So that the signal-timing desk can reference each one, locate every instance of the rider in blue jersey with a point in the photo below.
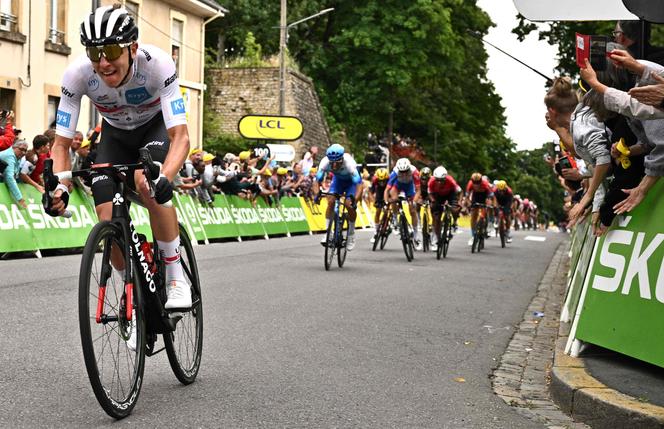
(346, 180)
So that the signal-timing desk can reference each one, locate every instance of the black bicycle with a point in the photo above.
(337, 232)
(383, 229)
(446, 233)
(121, 312)
(480, 228)
(405, 229)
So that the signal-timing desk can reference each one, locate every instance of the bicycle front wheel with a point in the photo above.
(330, 245)
(113, 345)
(184, 346)
(342, 241)
(406, 239)
(502, 233)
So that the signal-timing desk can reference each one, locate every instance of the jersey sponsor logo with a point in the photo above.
(137, 95)
(66, 92)
(155, 143)
(177, 106)
(63, 118)
(96, 179)
(140, 78)
(93, 84)
(147, 55)
(171, 79)
(102, 98)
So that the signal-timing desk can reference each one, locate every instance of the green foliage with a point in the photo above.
(412, 60)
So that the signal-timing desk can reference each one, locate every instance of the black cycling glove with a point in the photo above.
(47, 202)
(163, 190)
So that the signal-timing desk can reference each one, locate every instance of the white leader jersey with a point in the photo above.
(152, 88)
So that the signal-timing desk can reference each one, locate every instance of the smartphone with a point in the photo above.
(598, 52)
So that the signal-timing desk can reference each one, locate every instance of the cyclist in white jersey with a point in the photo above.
(346, 180)
(136, 92)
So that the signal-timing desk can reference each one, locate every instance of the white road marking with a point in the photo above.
(534, 238)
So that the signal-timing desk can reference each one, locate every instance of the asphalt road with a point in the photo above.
(379, 343)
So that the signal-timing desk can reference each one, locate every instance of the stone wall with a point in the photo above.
(235, 92)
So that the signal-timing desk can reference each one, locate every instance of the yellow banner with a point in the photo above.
(270, 127)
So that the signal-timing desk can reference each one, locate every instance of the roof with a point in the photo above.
(213, 4)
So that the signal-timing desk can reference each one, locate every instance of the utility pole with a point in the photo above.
(282, 59)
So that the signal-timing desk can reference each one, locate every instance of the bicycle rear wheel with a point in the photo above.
(426, 235)
(342, 241)
(406, 239)
(114, 369)
(502, 232)
(381, 230)
(184, 346)
(445, 237)
(330, 245)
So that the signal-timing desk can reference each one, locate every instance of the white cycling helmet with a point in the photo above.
(403, 164)
(440, 173)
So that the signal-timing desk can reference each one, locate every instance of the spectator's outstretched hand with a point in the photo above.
(621, 58)
(588, 74)
(576, 214)
(572, 174)
(650, 94)
(636, 195)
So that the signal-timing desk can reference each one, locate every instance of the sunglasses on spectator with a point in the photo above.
(110, 52)
(616, 33)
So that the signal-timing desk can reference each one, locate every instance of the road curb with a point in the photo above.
(588, 400)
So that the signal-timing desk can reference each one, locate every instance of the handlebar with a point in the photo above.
(151, 169)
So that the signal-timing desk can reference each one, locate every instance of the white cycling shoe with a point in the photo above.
(433, 246)
(418, 245)
(179, 295)
(350, 244)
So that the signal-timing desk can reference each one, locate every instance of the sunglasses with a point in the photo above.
(110, 52)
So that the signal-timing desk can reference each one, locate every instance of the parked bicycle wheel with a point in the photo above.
(114, 368)
(342, 240)
(406, 238)
(184, 346)
(330, 245)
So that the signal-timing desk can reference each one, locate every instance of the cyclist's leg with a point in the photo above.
(436, 212)
(163, 220)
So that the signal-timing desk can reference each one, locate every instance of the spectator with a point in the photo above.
(11, 161)
(41, 146)
(75, 144)
(27, 164)
(653, 129)
(630, 34)
(268, 190)
(309, 159)
(195, 155)
(82, 162)
(7, 135)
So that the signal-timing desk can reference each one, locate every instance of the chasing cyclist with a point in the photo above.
(405, 178)
(442, 188)
(504, 197)
(137, 93)
(378, 190)
(478, 191)
(346, 180)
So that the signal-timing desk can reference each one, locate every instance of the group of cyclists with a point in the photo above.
(421, 187)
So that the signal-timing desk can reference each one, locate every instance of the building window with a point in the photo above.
(56, 22)
(132, 8)
(177, 45)
(53, 103)
(8, 19)
(7, 99)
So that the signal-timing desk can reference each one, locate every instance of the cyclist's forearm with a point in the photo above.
(60, 155)
(177, 151)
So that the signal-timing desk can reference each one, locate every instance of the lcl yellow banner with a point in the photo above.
(270, 127)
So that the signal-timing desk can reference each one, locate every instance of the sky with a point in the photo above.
(522, 90)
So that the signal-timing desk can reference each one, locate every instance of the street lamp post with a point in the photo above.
(283, 40)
